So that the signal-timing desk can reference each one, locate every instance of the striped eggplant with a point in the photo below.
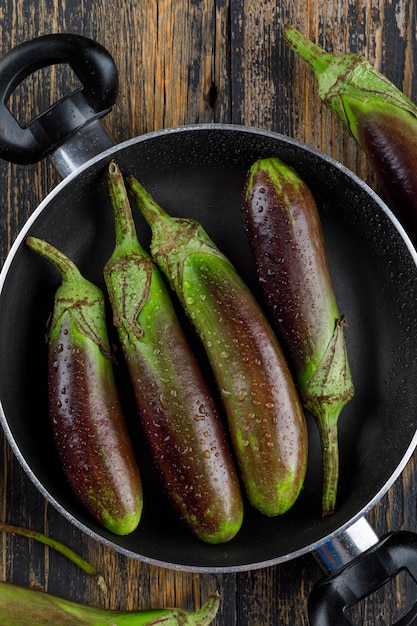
(381, 119)
(180, 419)
(85, 410)
(265, 418)
(285, 236)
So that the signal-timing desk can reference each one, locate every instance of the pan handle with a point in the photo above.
(97, 73)
(393, 553)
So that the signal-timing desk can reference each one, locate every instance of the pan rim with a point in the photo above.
(106, 155)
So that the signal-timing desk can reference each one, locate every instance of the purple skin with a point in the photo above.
(185, 434)
(265, 419)
(179, 417)
(377, 114)
(292, 267)
(89, 430)
(285, 236)
(388, 136)
(85, 410)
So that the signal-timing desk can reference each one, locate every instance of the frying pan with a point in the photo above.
(199, 171)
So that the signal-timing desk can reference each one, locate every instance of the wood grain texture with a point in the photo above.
(186, 62)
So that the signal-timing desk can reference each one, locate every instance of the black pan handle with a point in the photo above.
(97, 73)
(330, 597)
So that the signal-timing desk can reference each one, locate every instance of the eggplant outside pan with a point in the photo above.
(199, 171)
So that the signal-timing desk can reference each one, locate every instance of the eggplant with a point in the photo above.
(178, 414)
(266, 422)
(85, 410)
(381, 119)
(22, 606)
(284, 232)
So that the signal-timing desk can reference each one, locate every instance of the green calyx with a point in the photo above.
(325, 394)
(135, 286)
(128, 281)
(173, 238)
(186, 237)
(330, 387)
(77, 297)
(129, 273)
(347, 75)
(139, 300)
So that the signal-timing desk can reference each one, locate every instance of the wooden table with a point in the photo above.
(192, 62)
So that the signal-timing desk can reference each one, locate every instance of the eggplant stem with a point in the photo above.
(124, 223)
(330, 454)
(58, 547)
(68, 270)
(150, 209)
(315, 56)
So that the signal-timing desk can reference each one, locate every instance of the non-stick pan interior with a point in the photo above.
(200, 172)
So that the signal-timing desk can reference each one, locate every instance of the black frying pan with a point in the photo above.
(199, 171)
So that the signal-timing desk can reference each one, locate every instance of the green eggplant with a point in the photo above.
(264, 414)
(381, 119)
(283, 226)
(85, 409)
(180, 419)
(20, 606)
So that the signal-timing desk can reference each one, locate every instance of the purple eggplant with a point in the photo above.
(180, 419)
(265, 418)
(381, 119)
(286, 241)
(85, 409)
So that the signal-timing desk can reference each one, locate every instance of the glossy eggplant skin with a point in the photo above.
(381, 119)
(286, 242)
(180, 419)
(86, 415)
(265, 419)
(285, 236)
(388, 136)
